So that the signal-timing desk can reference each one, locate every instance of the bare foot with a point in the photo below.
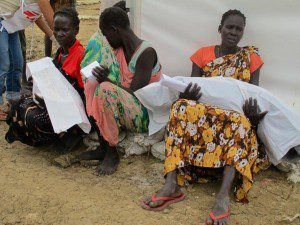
(98, 154)
(110, 162)
(168, 190)
(221, 206)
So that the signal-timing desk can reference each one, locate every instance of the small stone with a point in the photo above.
(158, 150)
(167, 211)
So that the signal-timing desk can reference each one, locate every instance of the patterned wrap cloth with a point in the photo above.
(108, 103)
(201, 137)
(234, 65)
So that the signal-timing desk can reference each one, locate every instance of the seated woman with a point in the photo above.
(110, 100)
(55, 4)
(30, 122)
(228, 59)
(202, 139)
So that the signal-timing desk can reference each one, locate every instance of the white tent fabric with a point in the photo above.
(104, 4)
(63, 102)
(279, 130)
(178, 28)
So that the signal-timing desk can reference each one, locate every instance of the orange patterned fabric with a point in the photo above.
(239, 65)
(201, 136)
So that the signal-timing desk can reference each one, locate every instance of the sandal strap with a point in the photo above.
(162, 198)
(224, 215)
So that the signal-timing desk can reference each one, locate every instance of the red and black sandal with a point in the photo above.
(166, 202)
(222, 216)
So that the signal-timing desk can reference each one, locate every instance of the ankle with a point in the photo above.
(222, 195)
(112, 153)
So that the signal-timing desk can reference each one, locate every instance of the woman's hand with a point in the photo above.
(252, 112)
(101, 73)
(192, 92)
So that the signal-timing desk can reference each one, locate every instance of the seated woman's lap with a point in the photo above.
(203, 136)
(114, 109)
(37, 119)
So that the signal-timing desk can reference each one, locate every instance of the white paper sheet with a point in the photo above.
(63, 102)
(279, 130)
(87, 71)
(173, 84)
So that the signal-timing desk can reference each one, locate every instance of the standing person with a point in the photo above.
(16, 15)
(56, 4)
(110, 100)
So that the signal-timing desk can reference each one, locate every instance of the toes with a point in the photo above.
(144, 206)
(221, 222)
(155, 203)
(147, 200)
(97, 171)
(102, 171)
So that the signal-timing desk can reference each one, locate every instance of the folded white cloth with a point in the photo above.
(279, 130)
(64, 105)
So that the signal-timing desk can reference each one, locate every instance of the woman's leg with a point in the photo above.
(174, 154)
(201, 136)
(222, 202)
(110, 162)
(114, 108)
(170, 189)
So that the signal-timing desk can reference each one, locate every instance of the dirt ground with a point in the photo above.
(35, 191)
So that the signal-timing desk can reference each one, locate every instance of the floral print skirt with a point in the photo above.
(201, 138)
(114, 108)
(108, 103)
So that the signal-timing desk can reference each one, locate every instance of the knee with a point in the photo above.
(237, 118)
(105, 87)
(181, 102)
(180, 105)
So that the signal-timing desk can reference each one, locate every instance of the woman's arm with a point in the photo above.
(254, 78)
(197, 71)
(44, 27)
(252, 112)
(192, 92)
(143, 69)
(47, 11)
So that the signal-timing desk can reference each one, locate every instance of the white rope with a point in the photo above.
(31, 40)
(23, 4)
